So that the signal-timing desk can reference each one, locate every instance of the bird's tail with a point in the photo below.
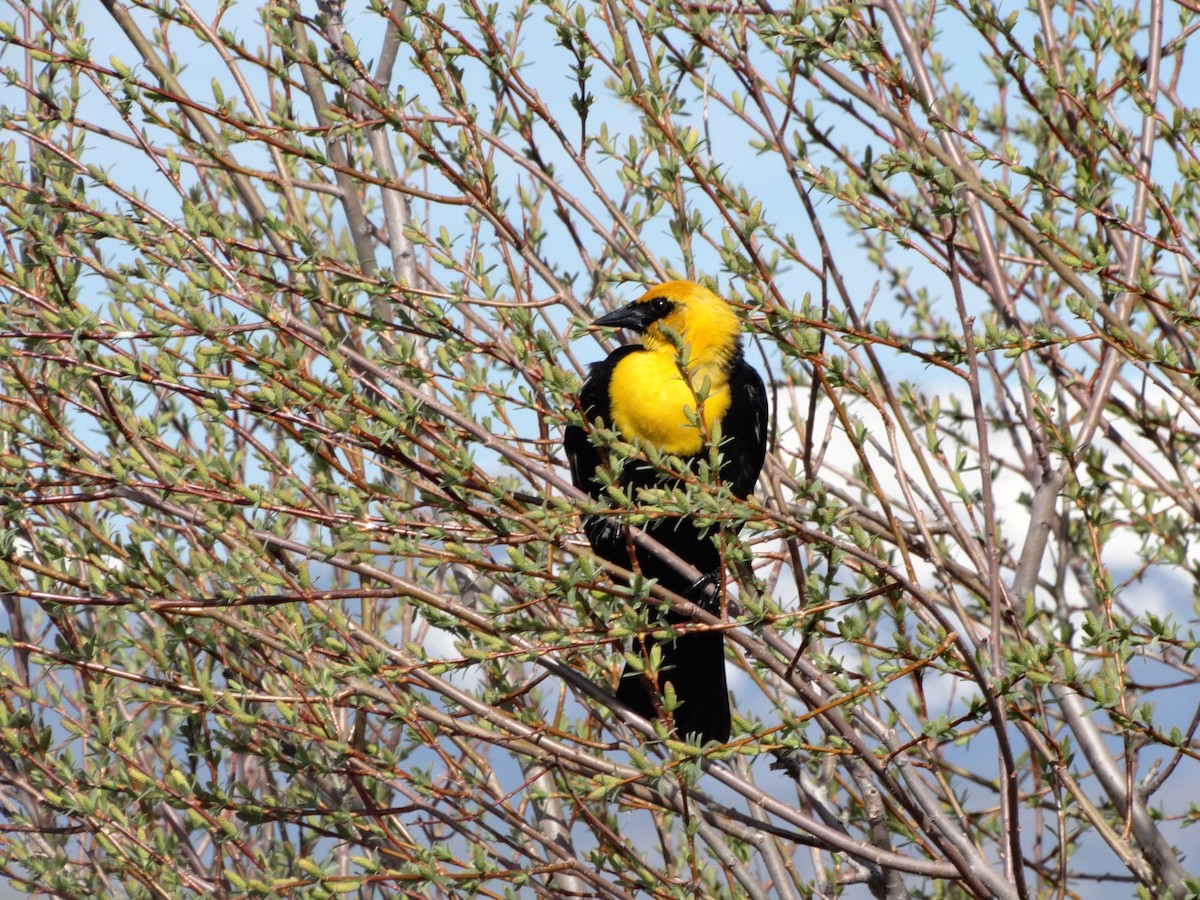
(694, 664)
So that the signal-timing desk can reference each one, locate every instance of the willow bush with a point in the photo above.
(295, 598)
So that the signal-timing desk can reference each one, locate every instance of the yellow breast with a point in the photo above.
(652, 402)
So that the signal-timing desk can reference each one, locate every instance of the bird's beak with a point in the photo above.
(633, 315)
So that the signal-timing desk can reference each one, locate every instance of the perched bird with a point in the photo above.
(649, 393)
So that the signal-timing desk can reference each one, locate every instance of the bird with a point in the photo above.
(670, 392)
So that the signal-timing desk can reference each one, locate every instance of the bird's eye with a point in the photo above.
(660, 305)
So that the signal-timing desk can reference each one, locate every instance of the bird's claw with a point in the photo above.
(703, 592)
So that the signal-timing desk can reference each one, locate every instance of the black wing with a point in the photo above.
(744, 431)
(584, 458)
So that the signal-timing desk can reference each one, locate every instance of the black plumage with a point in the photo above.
(693, 663)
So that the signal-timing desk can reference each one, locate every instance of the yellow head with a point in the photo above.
(705, 322)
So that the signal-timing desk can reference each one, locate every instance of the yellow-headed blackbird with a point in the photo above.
(649, 393)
